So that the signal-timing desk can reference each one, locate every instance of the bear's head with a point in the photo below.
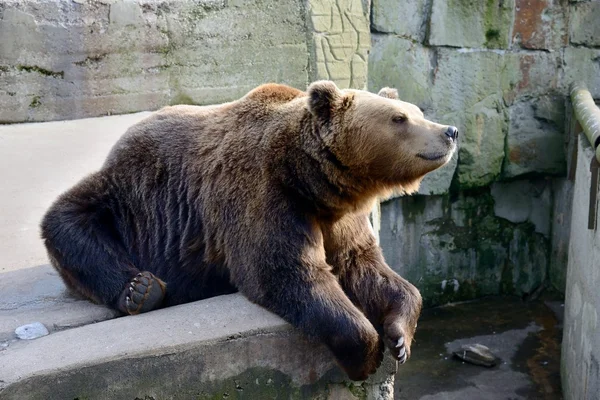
(378, 137)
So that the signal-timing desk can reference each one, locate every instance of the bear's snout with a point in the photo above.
(452, 132)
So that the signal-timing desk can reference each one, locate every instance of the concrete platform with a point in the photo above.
(223, 346)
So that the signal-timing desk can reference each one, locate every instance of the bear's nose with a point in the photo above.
(452, 132)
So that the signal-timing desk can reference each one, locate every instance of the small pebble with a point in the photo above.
(31, 331)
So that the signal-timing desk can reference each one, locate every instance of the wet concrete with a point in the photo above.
(524, 335)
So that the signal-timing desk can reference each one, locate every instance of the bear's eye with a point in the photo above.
(399, 119)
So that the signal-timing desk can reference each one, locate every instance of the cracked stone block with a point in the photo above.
(467, 23)
(535, 141)
(407, 18)
(341, 40)
(585, 24)
(540, 24)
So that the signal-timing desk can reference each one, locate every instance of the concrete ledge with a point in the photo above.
(39, 295)
(216, 348)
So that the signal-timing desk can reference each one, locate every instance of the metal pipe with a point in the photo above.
(587, 113)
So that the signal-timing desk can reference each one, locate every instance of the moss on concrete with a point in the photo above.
(41, 71)
(35, 102)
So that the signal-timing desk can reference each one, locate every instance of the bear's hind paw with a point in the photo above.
(145, 292)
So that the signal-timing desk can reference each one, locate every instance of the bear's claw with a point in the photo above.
(396, 339)
(145, 292)
(402, 350)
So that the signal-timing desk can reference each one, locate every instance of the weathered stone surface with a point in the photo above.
(466, 23)
(540, 24)
(522, 201)
(62, 60)
(584, 24)
(536, 141)
(482, 143)
(582, 64)
(404, 18)
(455, 90)
(404, 65)
(458, 250)
(529, 74)
(341, 39)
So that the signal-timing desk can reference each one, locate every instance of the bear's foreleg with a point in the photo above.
(390, 302)
(288, 275)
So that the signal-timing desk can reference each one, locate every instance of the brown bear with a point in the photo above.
(268, 195)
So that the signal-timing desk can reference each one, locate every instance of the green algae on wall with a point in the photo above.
(456, 249)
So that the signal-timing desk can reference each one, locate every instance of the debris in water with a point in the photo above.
(31, 331)
(477, 354)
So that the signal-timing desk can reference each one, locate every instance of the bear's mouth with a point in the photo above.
(432, 156)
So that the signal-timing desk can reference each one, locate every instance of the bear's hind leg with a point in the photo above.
(81, 235)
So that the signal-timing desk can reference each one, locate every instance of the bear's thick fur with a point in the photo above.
(268, 195)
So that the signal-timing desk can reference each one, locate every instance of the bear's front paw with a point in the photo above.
(360, 354)
(397, 339)
(363, 362)
(145, 292)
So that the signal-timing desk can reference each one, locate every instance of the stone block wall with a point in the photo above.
(82, 58)
(580, 357)
(499, 70)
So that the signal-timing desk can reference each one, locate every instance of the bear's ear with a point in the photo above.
(323, 98)
(389, 93)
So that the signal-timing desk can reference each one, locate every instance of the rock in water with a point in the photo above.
(31, 331)
(477, 354)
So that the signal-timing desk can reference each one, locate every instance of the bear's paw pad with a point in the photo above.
(145, 292)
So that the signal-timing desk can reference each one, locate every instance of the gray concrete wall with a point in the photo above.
(84, 58)
(580, 364)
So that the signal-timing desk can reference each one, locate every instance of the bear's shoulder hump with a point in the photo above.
(273, 93)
